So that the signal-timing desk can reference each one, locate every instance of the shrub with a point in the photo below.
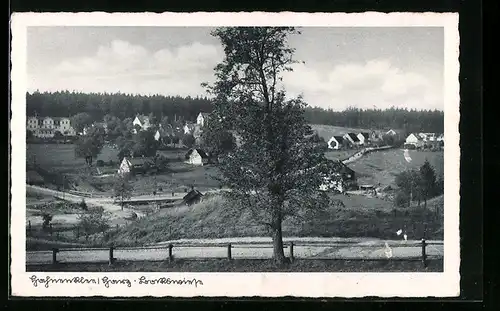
(99, 163)
(83, 205)
(401, 200)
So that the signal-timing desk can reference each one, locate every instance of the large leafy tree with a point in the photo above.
(90, 145)
(80, 121)
(145, 144)
(278, 168)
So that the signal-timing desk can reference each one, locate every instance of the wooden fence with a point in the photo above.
(169, 251)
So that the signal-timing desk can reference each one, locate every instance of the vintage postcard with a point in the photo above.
(235, 155)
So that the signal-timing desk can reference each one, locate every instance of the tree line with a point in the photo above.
(122, 106)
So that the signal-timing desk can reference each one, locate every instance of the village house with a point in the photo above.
(189, 128)
(201, 119)
(375, 136)
(342, 178)
(428, 137)
(364, 138)
(336, 142)
(415, 140)
(391, 132)
(135, 165)
(192, 197)
(48, 126)
(351, 138)
(141, 121)
(157, 135)
(196, 156)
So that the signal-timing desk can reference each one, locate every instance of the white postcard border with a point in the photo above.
(444, 284)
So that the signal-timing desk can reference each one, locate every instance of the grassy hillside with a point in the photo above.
(383, 166)
(215, 218)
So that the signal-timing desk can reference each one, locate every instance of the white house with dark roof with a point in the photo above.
(201, 119)
(142, 121)
(196, 156)
(415, 140)
(364, 138)
(352, 138)
(336, 142)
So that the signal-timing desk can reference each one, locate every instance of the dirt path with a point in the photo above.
(250, 247)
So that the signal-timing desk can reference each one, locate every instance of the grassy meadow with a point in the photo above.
(383, 166)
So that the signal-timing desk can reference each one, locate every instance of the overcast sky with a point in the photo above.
(358, 67)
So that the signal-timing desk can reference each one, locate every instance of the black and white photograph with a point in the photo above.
(235, 157)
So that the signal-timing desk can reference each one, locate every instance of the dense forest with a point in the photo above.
(65, 104)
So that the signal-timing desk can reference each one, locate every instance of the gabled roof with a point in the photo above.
(201, 152)
(142, 118)
(191, 195)
(339, 139)
(139, 161)
(365, 135)
(417, 136)
(353, 136)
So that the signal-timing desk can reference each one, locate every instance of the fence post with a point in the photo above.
(50, 229)
(424, 256)
(229, 251)
(54, 255)
(170, 255)
(291, 251)
(29, 227)
(111, 258)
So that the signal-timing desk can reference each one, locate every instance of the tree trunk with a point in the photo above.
(425, 202)
(278, 251)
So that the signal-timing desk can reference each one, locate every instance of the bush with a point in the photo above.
(401, 199)
(83, 205)
(99, 163)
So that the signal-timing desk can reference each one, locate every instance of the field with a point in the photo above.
(61, 157)
(327, 131)
(383, 166)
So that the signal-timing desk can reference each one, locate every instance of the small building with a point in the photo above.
(336, 142)
(201, 119)
(364, 138)
(157, 135)
(135, 165)
(391, 132)
(192, 197)
(196, 156)
(141, 121)
(415, 140)
(428, 137)
(189, 128)
(342, 178)
(375, 136)
(351, 138)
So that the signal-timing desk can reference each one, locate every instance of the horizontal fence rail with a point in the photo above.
(229, 251)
